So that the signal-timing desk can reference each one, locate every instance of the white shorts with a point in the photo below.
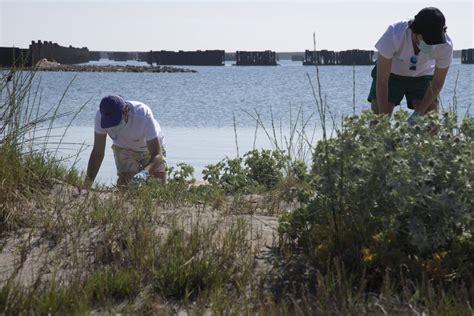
(130, 161)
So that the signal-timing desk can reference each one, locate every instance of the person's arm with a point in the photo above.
(96, 157)
(433, 90)
(384, 66)
(156, 164)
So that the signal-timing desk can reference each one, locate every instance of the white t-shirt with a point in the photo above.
(396, 44)
(140, 128)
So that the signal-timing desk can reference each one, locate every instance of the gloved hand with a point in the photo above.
(141, 176)
(412, 118)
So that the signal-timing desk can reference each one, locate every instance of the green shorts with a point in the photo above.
(412, 88)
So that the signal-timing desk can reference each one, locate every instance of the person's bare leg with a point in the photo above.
(433, 107)
(160, 175)
(124, 178)
(375, 109)
(158, 170)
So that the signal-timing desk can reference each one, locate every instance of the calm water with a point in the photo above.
(196, 109)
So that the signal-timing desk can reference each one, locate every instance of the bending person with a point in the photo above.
(138, 142)
(413, 61)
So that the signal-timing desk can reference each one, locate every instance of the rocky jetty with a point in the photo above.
(46, 65)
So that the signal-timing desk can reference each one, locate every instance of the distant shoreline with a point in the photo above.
(52, 66)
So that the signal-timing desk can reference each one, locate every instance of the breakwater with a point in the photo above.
(14, 57)
(120, 56)
(115, 55)
(467, 56)
(96, 56)
(199, 58)
(11, 56)
(255, 58)
(52, 51)
(347, 57)
(40, 50)
(45, 65)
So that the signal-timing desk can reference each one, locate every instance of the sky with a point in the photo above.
(229, 25)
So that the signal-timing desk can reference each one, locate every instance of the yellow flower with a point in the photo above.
(367, 255)
(378, 237)
(438, 256)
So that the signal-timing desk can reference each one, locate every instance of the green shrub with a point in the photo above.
(230, 175)
(390, 198)
(183, 174)
(261, 170)
(265, 166)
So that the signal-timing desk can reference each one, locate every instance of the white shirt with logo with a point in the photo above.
(140, 128)
(396, 44)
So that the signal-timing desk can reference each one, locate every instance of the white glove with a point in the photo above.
(141, 176)
(412, 118)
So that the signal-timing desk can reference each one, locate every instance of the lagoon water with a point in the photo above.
(197, 110)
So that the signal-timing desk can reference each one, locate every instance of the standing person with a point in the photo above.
(138, 142)
(413, 61)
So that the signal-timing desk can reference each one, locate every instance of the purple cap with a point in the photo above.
(111, 108)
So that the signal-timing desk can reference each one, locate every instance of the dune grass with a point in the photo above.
(339, 246)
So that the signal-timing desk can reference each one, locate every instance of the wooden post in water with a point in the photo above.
(346, 58)
(467, 56)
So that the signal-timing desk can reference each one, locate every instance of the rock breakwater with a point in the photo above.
(45, 65)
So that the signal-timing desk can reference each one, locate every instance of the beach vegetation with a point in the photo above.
(369, 219)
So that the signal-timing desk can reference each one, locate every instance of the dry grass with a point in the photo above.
(171, 249)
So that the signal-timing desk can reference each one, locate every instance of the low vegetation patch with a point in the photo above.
(388, 202)
(380, 221)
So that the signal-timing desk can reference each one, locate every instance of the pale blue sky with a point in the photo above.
(230, 25)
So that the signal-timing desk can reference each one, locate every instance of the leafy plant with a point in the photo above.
(265, 166)
(392, 197)
(183, 174)
(230, 175)
(259, 170)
